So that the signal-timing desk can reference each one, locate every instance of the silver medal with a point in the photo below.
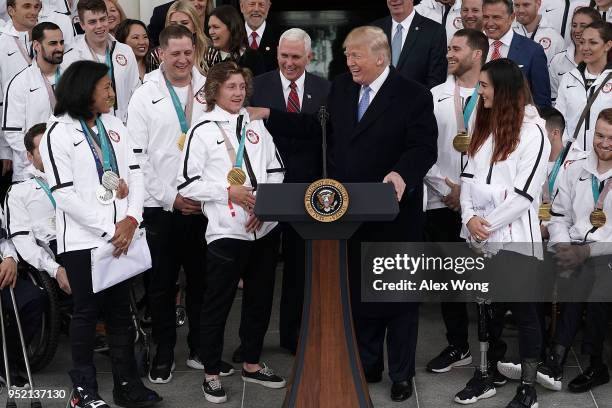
(110, 180)
(105, 196)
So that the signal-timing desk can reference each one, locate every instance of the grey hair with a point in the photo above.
(297, 34)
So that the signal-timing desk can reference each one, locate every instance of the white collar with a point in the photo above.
(219, 114)
(299, 82)
(34, 172)
(378, 82)
(591, 166)
(405, 23)
(260, 30)
(9, 29)
(506, 38)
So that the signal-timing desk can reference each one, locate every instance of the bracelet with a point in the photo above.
(133, 220)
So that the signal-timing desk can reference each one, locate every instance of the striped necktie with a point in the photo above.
(293, 101)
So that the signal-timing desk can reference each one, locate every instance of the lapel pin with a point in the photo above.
(267, 48)
(308, 96)
(416, 28)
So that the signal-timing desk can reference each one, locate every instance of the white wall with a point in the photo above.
(140, 9)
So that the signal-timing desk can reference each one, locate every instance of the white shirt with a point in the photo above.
(124, 66)
(299, 87)
(545, 35)
(259, 31)
(202, 175)
(520, 176)
(571, 100)
(31, 221)
(560, 64)
(555, 10)
(406, 23)
(434, 10)
(573, 205)
(375, 85)
(505, 48)
(154, 130)
(26, 103)
(450, 161)
(82, 221)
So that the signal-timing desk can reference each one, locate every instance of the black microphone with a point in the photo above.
(323, 115)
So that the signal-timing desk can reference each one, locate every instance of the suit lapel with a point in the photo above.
(307, 98)
(277, 91)
(515, 47)
(380, 103)
(411, 38)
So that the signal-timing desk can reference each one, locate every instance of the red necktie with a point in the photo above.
(293, 102)
(496, 50)
(254, 44)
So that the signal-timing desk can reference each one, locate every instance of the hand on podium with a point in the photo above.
(398, 183)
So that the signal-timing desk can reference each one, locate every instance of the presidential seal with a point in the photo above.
(326, 200)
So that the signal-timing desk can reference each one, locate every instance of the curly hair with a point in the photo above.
(218, 74)
(505, 118)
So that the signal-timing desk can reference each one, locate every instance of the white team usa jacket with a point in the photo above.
(434, 10)
(558, 12)
(560, 64)
(571, 100)
(521, 175)
(574, 203)
(154, 131)
(205, 164)
(26, 103)
(83, 222)
(449, 161)
(125, 71)
(545, 35)
(30, 219)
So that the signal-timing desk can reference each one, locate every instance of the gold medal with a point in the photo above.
(181, 141)
(598, 218)
(461, 142)
(544, 211)
(236, 177)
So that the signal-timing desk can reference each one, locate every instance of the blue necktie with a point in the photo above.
(364, 102)
(396, 45)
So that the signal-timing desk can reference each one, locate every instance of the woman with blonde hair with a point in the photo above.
(184, 13)
(116, 15)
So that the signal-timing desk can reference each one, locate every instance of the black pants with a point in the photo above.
(175, 240)
(228, 260)
(595, 326)
(292, 294)
(444, 225)
(31, 303)
(114, 302)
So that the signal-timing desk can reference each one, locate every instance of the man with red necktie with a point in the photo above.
(261, 35)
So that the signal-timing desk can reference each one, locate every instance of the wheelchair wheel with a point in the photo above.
(43, 346)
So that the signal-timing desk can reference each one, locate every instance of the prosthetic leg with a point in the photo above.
(484, 317)
(10, 403)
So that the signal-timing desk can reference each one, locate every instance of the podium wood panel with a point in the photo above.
(327, 369)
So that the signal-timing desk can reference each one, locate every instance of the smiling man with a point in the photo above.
(532, 24)
(471, 14)
(293, 89)
(504, 43)
(261, 35)
(98, 45)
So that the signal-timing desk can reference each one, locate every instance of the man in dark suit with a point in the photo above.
(292, 89)
(381, 128)
(261, 35)
(418, 44)
(498, 16)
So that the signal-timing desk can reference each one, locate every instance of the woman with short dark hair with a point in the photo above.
(225, 179)
(98, 189)
(228, 35)
(507, 163)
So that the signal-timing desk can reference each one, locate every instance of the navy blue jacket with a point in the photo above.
(530, 57)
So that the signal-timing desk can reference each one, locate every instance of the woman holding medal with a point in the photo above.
(507, 167)
(225, 157)
(98, 189)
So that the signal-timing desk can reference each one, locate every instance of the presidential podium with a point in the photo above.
(327, 370)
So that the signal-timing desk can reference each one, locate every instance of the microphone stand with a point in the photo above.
(323, 115)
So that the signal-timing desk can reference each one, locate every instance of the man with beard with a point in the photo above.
(531, 24)
(261, 35)
(29, 97)
(454, 102)
(471, 14)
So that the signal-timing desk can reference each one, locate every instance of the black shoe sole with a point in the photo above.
(140, 404)
(586, 388)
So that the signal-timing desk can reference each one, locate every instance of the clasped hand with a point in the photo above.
(124, 232)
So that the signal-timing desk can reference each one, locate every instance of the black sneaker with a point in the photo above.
(497, 378)
(134, 395)
(591, 377)
(549, 374)
(450, 357)
(265, 377)
(213, 391)
(476, 389)
(161, 373)
(193, 361)
(85, 398)
(525, 397)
